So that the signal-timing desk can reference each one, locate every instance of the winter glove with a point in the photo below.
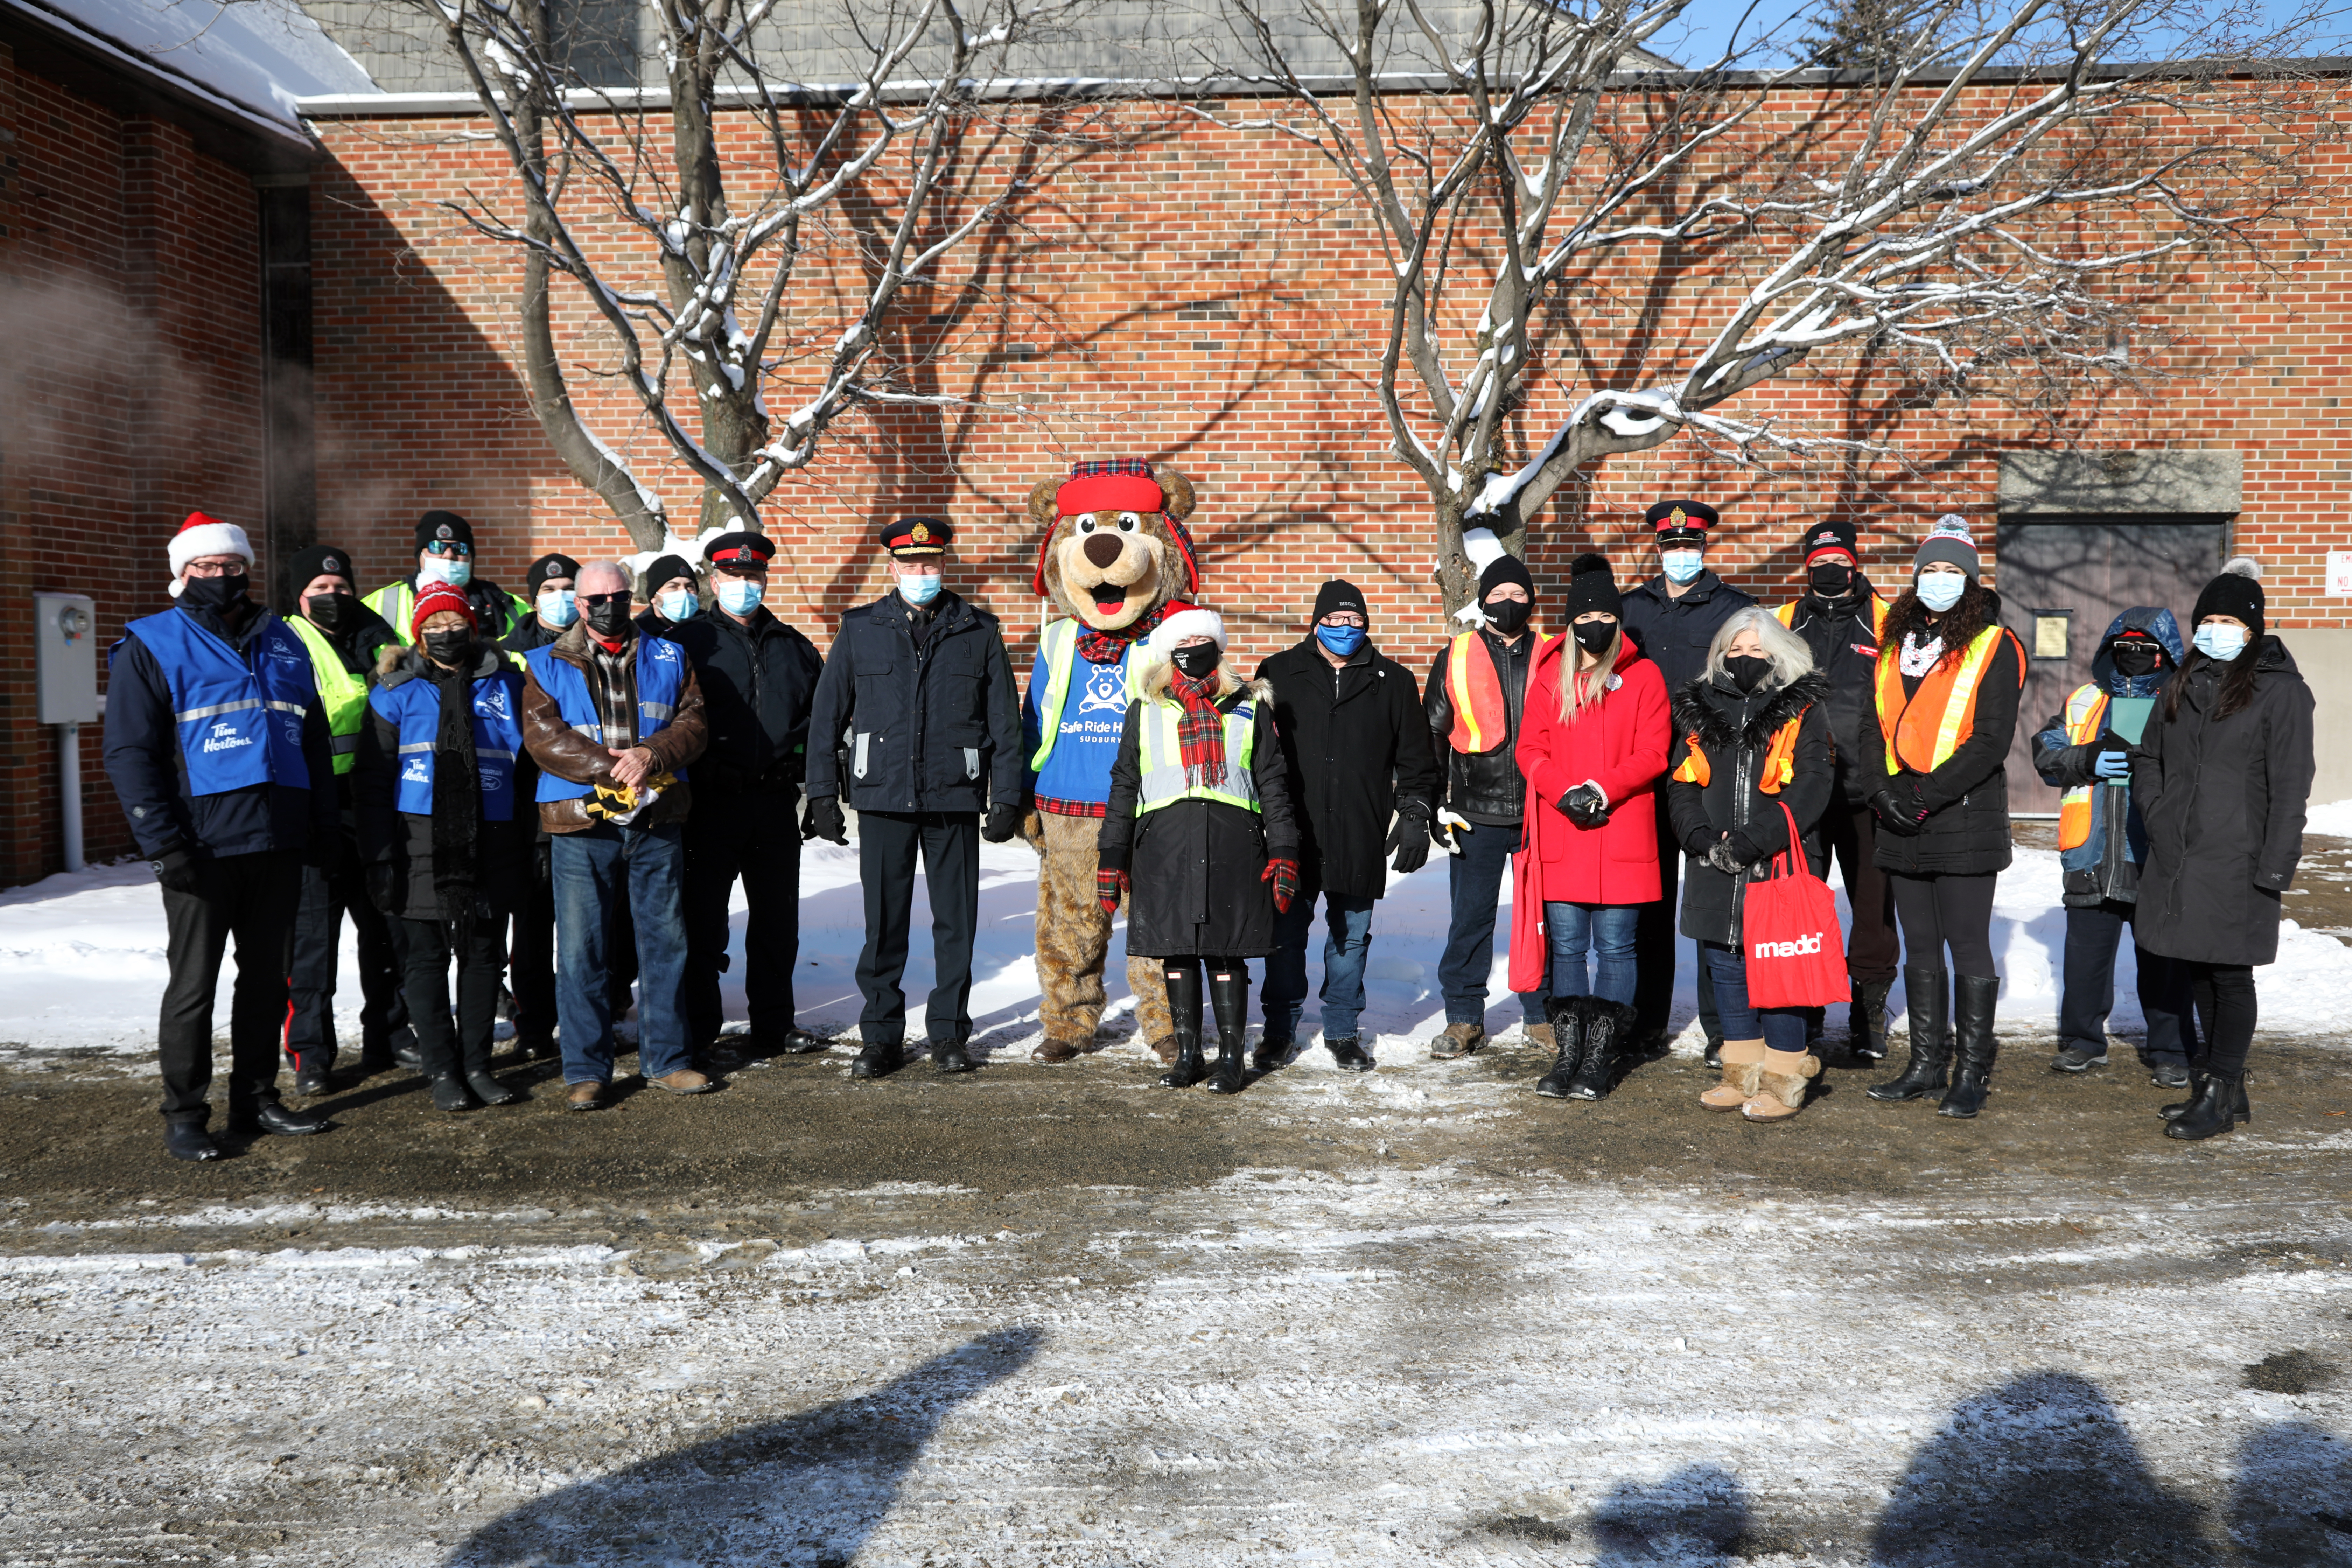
(1110, 888)
(822, 819)
(1731, 854)
(1409, 843)
(384, 888)
(1585, 805)
(2112, 767)
(177, 867)
(1284, 875)
(1003, 822)
(1442, 830)
(1900, 811)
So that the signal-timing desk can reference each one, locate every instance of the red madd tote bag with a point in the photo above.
(1789, 934)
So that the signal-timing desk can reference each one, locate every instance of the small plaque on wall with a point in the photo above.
(2053, 630)
(2340, 574)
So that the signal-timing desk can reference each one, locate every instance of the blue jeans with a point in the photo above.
(1474, 881)
(1606, 929)
(1781, 1028)
(588, 869)
(1347, 945)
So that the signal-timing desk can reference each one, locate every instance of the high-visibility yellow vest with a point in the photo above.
(342, 694)
(2086, 713)
(1162, 759)
(1924, 729)
(396, 603)
(1787, 615)
(1059, 644)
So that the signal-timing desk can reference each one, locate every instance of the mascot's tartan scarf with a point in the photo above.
(1201, 732)
(1105, 647)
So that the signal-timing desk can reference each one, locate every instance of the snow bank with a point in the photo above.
(2334, 819)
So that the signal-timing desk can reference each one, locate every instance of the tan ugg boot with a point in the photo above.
(1743, 1066)
(1782, 1085)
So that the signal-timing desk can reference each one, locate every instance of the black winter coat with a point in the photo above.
(1966, 830)
(389, 835)
(758, 682)
(1355, 744)
(902, 726)
(1845, 653)
(1674, 633)
(2223, 800)
(1734, 732)
(1196, 869)
(1485, 787)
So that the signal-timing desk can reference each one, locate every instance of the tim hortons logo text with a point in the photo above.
(1797, 949)
(224, 738)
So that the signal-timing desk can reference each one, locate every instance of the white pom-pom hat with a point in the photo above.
(1191, 623)
(201, 536)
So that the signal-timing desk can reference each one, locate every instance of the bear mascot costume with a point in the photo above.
(1116, 561)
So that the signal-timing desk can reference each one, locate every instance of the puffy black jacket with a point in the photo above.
(1846, 651)
(1485, 787)
(1355, 744)
(1966, 830)
(143, 761)
(2223, 800)
(758, 682)
(1734, 730)
(1674, 632)
(906, 725)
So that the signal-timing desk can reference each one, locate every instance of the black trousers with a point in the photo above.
(531, 959)
(464, 1047)
(1656, 937)
(2093, 935)
(1873, 952)
(1948, 911)
(887, 844)
(326, 897)
(755, 837)
(250, 899)
(2224, 997)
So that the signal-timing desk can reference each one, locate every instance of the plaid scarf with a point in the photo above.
(1201, 732)
(1105, 647)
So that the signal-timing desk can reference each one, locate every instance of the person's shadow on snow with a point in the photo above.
(811, 1487)
(1695, 1516)
(2292, 1506)
(2037, 1473)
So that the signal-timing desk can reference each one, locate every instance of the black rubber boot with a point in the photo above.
(1605, 1023)
(1566, 1015)
(2221, 1107)
(2198, 1082)
(189, 1141)
(451, 1093)
(950, 1057)
(1973, 1043)
(1865, 1021)
(1926, 1001)
(1184, 1010)
(1229, 1000)
(878, 1059)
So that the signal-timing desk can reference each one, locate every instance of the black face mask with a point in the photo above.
(1831, 580)
(327, 611)
(1510, 616)
(2134, 659)
(1196, 661)
(449, 647)
(1594, 637)
(609, 620)
(218, 595)
(1748, 671)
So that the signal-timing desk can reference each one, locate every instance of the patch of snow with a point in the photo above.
(2334, 819)
(264, 55)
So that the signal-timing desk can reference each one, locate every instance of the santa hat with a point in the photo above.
(437, 597)
(201, 536)
(1188, 622)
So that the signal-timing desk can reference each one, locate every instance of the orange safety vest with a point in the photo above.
(1924, 729)
(2086, 711)
(1780, 759)
(1787, 615)
(1475, 687)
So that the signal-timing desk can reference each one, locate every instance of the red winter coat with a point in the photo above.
(1621, 746)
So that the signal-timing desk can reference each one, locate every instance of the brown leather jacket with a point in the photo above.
(560, 750)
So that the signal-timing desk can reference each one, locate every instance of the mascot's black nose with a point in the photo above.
(1102, 550)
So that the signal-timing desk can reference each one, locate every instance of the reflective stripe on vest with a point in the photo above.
(396, 603)
(343, 694)
(1160, 756)
(2086, 713)
(1058, 646)
(661, 679)
(1474, 688)
(1780, 759)
(1948, 698)
(1787, 615)
(415, 707)
(239, 717)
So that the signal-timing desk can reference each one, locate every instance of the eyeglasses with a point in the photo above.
(598, 601)
(214, 568)
(449, 548)
(1344, 618)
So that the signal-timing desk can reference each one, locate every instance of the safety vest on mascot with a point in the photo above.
(1924, 729)
(661, 679)
(2087, 715)
(1787, 615)
(1474, 688)
(239, 717)
(1058, 646)
(1159, 755)
(343, 694)
(415, 707)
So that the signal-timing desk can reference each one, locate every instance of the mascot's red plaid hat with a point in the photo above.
(1118, 484)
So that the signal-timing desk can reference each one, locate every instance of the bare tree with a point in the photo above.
(1990, 206)
(783, 259)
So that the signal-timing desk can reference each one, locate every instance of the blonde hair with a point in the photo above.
(1582, 689)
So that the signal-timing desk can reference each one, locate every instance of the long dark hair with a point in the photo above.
(2237, 679)
(1961, 624)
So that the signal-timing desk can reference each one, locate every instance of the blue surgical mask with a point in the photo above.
(1683, 565)
(2217, 641)
(558, 606)
(442, 569)
(1939, 591)
(739, 595)
(920, 590)
(680, 605)
(1341, 640)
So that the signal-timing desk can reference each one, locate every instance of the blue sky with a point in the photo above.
(1710, 24)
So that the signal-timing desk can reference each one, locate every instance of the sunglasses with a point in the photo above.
(598, 601)
(446, 548)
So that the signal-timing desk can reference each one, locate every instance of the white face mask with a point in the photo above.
(740, 596)
(1683, 565)
(1939, 591)
(678, 604)
(2215, 640)
(442, 569)
(558, 606)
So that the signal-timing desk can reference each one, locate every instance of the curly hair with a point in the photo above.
(1961, 624)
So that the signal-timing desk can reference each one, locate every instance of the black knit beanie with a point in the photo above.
(444, 528)
(1505, 569)
(320, 561)
(554, 564)
(1336, 595)
(2236, 591)
(667, 568)
(1592, 585)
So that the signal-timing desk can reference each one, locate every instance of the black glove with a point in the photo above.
(1409, 843)
(1725, 856)
(1585, 805)
(1899, 809)
(384, 886)
(824, 820)
(177, 868)
(1003, 822)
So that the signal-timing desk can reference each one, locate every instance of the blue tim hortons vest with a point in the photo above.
(239, 717)
(661, 676)
(415, 707)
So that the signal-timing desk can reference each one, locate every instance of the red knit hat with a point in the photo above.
(436, 598)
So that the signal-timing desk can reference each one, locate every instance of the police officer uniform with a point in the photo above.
(498, 611)
(917, 726)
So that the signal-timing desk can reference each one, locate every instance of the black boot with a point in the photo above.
(878, 1059)
(405, 1051)
(1229, 1000)
(1605, 1023)
(487, 1089)
(2198, 1079)
(450, 1093)
(949, 1057)
(1184, 1010)
(189, 1141)
(270, 1116)
(2221, 1106)
(1926, 1001)
(1566, 1015)
(1973, 1045)
(1865, 1021)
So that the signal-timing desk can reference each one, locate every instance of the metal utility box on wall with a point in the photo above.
(65, 657)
